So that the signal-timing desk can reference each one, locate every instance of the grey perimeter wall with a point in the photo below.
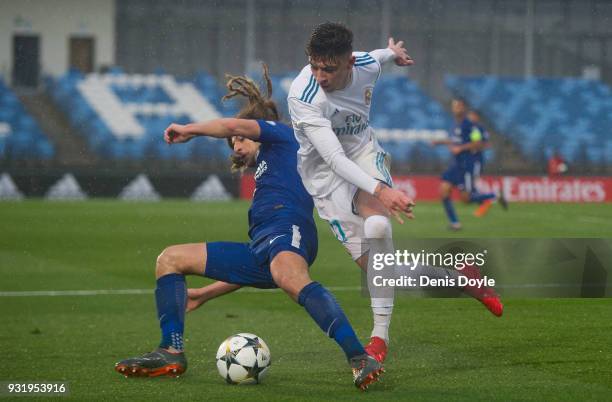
(468, 37)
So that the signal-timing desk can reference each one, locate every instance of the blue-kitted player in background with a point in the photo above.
(283, 240)
(466, 142)
(478, 157)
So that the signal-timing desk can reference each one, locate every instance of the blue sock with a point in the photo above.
(171, 298)
(480, 197)
(326, 312)
(450, 210)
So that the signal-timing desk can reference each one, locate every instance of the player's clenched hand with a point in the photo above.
(195, 299)
(402, 58)
(396, 202)
(176, 133)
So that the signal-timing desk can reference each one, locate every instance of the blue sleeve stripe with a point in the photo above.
(365, 63)
(363, 56)
(311, 97)
(312, 90)
(308, 88)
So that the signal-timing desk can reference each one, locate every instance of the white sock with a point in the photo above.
(377, 229)
(382, 317)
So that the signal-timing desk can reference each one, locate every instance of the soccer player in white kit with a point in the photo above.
(340, 160)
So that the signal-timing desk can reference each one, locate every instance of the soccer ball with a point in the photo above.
(243, 359)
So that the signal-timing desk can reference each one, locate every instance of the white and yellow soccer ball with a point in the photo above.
(243, 359)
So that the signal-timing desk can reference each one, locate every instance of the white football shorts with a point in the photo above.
(338, 208)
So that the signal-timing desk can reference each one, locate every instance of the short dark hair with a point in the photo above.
(329, 41)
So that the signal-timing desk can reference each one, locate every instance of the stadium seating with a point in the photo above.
(123, 116)
(543, 115)
(20, 135)
(406, 120)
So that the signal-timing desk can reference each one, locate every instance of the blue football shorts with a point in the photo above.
(248, 264)
(463, 179)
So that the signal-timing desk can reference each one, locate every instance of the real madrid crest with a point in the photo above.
(368, 96)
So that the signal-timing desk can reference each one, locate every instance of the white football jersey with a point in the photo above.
(345, 111)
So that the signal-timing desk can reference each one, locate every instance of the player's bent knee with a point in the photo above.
(168, 262)
(377, 227)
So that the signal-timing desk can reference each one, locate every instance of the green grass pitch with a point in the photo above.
(442, 349)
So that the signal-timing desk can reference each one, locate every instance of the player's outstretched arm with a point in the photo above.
(330, 149)
(441, 142)
(327, 145)
(198, 296)
(308, 120)
(402, 58)
(470, 146)
(395, 52)
(218, 128)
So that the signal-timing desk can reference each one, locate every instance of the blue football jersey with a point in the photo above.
(459, 136)
(481, 135)
(279, 192)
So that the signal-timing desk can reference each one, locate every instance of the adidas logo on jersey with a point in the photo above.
(261, 169)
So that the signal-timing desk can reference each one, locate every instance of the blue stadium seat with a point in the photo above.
(148, 104)
(24, 139)
(544, 113)
(398, 103)
(45, 150)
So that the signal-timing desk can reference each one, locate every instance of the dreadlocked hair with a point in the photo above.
(258, 106)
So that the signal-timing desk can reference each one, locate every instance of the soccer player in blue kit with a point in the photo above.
(478, 161)
(466, 143)
(283, 240)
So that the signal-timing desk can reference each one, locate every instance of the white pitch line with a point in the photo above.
(31, 293)
(101, 292)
